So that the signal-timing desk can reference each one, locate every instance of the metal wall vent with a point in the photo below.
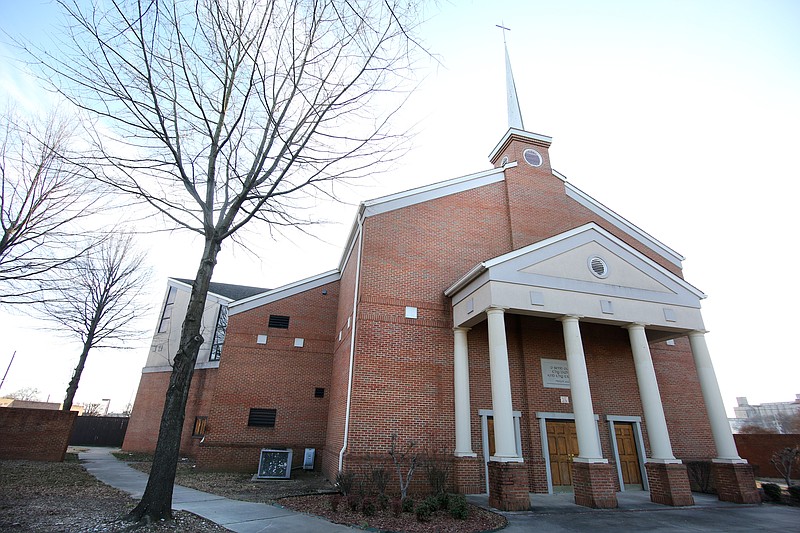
(262, 417)
(598, 267)
(278, 321)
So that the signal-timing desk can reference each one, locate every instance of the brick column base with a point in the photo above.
(735, 482)
(508, 486)
(594, 485)
(467, 475)
(669, 484)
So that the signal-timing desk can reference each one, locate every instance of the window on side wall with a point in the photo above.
(199, 429)
(219, 334)
(166, 315)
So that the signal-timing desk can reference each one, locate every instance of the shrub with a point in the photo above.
(397, 507)
(408, 505)
(336, 499)
(772, 491)
(437, 476)
(457, 505)
(380, 478)
(344, 481)
(700, 476)
(368, 506)
(352, 502)
(425, 509)
(794, 492)
(383, 502)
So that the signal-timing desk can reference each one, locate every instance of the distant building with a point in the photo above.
(29, 404)
(770, 416)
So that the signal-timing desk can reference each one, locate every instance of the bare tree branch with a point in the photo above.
(43, 200)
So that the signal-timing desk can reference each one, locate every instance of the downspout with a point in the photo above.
(352, 342)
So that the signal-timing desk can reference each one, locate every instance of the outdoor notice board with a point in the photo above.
(274, 464)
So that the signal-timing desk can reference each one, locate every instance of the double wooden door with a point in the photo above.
(562, 444)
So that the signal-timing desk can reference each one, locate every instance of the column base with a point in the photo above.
(467, 475)
(669, 484)
(594, 485)
(508, 486)
(735, 482)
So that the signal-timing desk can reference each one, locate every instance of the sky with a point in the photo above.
(681, 116)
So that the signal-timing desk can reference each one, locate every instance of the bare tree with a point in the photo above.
(28, 394)
(225, 112)
(99, 301)
(404, 460)
(784, 461)
(42, 198)
(91, 409)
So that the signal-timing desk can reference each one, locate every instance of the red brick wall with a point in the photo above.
(276, 375)
(403, 369)
(340, 366)
(145, 420)
(758, 449)
(539, 207)
(35, 434)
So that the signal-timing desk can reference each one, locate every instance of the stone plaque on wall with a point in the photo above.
(555, 374)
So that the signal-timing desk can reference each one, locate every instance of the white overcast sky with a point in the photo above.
(682, 116)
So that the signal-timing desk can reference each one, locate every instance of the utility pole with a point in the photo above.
(7, 369)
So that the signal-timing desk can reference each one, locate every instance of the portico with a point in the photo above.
(583, 276)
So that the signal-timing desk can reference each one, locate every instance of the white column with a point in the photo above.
(585, 427)
(461, 393)
(660, 446)
(720, 428)
(505, 445)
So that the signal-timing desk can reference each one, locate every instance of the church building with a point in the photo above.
(506, 320)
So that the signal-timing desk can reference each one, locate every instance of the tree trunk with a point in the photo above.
(156, 502)
(72, 388)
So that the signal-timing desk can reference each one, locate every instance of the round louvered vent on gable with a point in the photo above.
(532, 157)
(598, 267)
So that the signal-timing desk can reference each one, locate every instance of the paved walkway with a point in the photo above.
(550, 513)
(242, 517)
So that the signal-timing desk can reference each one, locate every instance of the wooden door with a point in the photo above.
(562, 442)
(628, 456)
(490, 434)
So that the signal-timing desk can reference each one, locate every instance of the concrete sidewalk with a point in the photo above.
(555, 513)
(242, 517)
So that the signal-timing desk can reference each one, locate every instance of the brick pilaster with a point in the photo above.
(669, 484)
(594, 485)
(508, 486)
(467, 475)
(735, 482)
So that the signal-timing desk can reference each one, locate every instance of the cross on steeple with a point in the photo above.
(504, 28)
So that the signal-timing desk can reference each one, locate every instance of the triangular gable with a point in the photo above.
(563, 262)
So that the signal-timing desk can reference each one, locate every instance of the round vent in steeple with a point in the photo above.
(532, 157)
(598, 267)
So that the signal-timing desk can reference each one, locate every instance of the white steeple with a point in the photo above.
(514, 112)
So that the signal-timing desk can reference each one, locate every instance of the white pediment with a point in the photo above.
(555, 277)
(575, 264)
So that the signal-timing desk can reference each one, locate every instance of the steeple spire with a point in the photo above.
(514, 112)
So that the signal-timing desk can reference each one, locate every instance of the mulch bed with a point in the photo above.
(478, 520)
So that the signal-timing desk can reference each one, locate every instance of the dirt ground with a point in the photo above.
(62, 497)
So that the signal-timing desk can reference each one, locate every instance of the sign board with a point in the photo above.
(274, 464)
(555, 374)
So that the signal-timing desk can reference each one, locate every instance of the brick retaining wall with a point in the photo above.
(35, 434)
